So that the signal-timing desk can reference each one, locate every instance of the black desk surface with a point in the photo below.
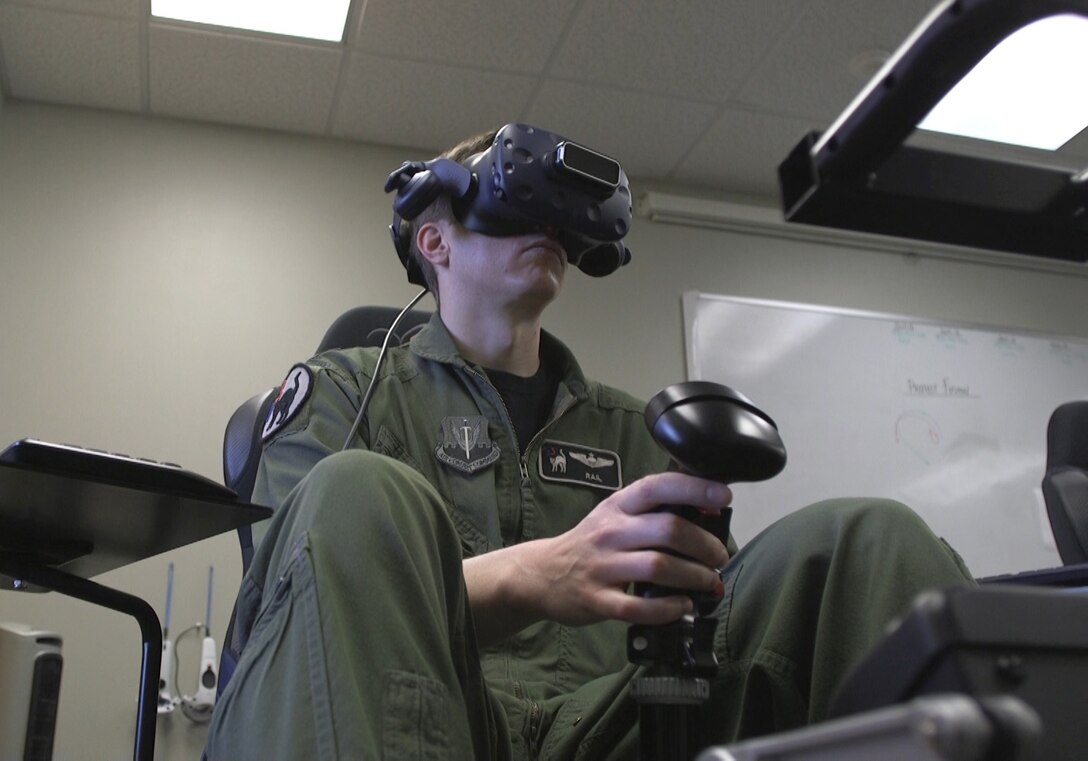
(98, 519)
(1061, 576)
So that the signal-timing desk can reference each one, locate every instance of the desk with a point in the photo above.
(57, 529)
(1073, 577)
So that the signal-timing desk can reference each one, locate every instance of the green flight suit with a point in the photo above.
(358, 639)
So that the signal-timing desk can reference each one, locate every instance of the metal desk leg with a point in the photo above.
(150, 631)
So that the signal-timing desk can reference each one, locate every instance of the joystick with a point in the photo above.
(711, 431)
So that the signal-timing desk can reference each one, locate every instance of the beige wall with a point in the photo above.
(155, 274)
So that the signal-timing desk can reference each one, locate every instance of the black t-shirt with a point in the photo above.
(529, 400)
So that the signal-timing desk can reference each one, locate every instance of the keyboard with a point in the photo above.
(114, 468)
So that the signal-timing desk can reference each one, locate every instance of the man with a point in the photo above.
(446, 587)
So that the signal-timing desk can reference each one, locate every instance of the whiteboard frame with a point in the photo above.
(690, 298)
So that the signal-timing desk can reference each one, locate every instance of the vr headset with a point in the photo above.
(528, 180)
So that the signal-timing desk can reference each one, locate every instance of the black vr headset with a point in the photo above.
(528, 180)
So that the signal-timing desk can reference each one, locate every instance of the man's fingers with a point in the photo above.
(663, 570)
(651, 492)
(667, 531)
(647, 611)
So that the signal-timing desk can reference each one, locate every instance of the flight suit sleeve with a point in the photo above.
(310, 426)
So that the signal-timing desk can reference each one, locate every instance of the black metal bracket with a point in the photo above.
(859, 175)
(150, 633)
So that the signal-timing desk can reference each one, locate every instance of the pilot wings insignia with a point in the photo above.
(591, 460)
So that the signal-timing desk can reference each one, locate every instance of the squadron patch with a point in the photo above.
(466, 445)
(293, 394)
(576, 464)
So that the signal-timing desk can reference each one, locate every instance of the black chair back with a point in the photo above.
(1065, 485)
(361, 326)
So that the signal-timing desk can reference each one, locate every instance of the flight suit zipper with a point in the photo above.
(508, 418)
(523, 463)
(535, 711)
(534, 708)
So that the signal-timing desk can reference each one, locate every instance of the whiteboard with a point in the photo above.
(948, 418)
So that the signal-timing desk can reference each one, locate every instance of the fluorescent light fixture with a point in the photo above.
(1028, 91)
(316, 19)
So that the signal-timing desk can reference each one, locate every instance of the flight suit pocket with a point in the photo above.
(414, 718)
(387, 443)
(285, 655)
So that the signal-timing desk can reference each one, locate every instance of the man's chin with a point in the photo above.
(545, 289)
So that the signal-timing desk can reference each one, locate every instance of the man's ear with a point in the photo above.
(431, 239)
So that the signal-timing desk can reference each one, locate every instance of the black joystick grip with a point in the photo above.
(714, 432)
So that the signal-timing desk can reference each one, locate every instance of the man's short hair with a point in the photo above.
(441, 208)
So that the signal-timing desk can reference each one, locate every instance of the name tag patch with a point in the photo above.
(576, 464)
(466, 445)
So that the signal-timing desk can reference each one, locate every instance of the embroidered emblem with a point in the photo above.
(576, 464)
(293, 394)
(466, 444)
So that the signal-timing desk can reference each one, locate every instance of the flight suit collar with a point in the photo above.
(434, 342)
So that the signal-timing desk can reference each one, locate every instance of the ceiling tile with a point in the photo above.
(741, 152)
(65, 58)
(699, 49)
(241, 80)
(809, 72)
(126, 8)
(507, 37)
(647, 134)
(423, 105)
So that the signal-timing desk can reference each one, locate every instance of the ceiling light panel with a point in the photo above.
(1028, 91)
(314, 19)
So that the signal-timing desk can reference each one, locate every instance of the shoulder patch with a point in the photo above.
(293, 394)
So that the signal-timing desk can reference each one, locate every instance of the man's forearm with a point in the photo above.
(505, 590)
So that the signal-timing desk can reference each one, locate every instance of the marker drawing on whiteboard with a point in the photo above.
(1067, 353)
(919, 433)
(1009, 346)
(908, 332)
(951, 338)
(945, 388)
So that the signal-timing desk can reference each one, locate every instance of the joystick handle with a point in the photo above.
(714, 432)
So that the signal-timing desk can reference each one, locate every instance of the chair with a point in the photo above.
(1065, 485)
(361, 326)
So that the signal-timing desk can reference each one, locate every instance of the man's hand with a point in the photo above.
(582, 576)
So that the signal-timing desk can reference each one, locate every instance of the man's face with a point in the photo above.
(525, 269)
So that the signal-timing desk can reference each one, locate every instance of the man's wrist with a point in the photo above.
(506, 589)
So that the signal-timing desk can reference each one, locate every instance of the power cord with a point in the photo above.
(198, 706)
